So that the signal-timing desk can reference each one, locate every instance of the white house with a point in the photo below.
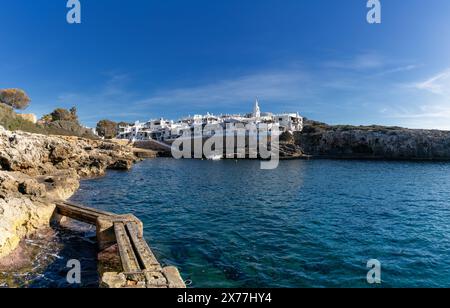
(166, 130)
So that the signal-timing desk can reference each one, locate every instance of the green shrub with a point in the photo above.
(107, 129)
(10, 121)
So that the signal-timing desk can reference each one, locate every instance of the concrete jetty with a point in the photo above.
(125, 260)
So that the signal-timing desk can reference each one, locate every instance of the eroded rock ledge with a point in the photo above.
(320, 140)
(37, 169)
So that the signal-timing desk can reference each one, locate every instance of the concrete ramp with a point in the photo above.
(120, 237)
(153, 145)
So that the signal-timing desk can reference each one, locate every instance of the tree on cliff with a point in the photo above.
(107, 129)
(123, 124)
(73, 112)
(61, 114)
(15, 98)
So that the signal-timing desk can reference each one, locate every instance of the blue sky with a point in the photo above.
(142, 59)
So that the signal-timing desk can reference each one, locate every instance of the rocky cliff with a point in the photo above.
(37, 169)
(373, 142)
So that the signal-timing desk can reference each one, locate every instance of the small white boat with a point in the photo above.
(215, 157)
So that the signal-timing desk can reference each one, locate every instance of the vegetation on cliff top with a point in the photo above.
(311, 126)
(59, 122)
(61, 114)
(12, 122)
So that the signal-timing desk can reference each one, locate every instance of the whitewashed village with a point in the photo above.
(163, 130)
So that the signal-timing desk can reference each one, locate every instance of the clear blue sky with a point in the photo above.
(141, 59)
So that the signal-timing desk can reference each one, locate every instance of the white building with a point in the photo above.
(165, 130)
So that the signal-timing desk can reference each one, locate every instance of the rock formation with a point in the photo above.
(37, 169)
(28, 117)
(288, 148)
(372, 142)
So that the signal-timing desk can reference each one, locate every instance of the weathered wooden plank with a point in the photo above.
(85, 208)
(81, 213)
(83, 217)
(143, 252)
(139, 264)
(127, 256)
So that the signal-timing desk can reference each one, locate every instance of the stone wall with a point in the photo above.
(28, 117)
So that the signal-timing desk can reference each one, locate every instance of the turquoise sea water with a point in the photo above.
(305, 224)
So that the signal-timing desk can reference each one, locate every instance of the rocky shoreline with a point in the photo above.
(36, 170)
(319, 140)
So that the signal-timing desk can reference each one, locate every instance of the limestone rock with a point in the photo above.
(31, 187)
(121, 164)
(373, 142)
(113, 280)
(143, 153)
(38, 154)
(21, 217)
(174, 278)
(36, 169)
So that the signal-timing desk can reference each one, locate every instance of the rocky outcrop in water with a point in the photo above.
(37, 169)
(373, 142)
(22, 210)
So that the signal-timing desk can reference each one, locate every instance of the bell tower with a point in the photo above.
(256, 110)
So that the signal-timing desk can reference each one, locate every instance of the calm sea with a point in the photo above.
(306, 224)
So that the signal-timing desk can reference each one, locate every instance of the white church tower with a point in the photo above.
(256, 110)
